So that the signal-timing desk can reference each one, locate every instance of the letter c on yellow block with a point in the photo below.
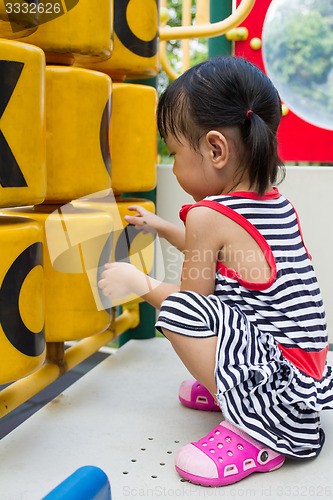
(74, 239)
(135, 48)
(22, 342)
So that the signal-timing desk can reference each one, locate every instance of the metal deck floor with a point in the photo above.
(124, 417)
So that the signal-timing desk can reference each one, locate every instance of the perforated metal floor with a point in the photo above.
(124, 417)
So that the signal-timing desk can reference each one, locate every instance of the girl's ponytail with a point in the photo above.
(261, 151)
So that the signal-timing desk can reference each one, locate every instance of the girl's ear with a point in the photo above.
(218, 148)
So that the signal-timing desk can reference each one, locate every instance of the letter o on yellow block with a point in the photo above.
(133, 138)
(128, 243)
(22, 342)
(78, 107)
(135, 48)
(74, 28)
(77, 243)
(22, 126)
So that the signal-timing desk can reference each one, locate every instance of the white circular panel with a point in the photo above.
(298, 57)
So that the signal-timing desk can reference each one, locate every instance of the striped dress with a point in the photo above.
(271, 372)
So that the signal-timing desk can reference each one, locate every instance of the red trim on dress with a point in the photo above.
(184, 211)
(311, 363)
(251, 229)
(269, 195)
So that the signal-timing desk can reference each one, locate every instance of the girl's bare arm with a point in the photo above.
(204, 240)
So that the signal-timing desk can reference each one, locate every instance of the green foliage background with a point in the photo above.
(198, 53)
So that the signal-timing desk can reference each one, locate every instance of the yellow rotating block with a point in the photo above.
(135, 48)
(69, 28)
(128, 243)
(22, 126)
(133, 138)
(78, 107)
(22, 342)
(77, 243)
(17, 18)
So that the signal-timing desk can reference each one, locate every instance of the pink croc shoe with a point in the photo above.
(195, 395)
(226, 455)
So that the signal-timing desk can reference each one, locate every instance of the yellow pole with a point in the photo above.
(202, 12)
(20, 391)
(186, 21)
(163, 49)
(208, 30)
(165, 63)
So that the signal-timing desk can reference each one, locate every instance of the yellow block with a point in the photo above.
(77, 244)
(78, 104)
(22, 126)
(135, 48)
(128, 243)
(133, 138)
(17, 19)
(79, 28)
(22, 342)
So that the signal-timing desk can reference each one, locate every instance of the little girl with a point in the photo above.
(248, 319)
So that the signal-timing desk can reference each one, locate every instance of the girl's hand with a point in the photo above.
(145, 219)
(153, 223)
(121, 279)
(118, 280)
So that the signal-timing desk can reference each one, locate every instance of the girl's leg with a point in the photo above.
(198, 355)
(226, 454)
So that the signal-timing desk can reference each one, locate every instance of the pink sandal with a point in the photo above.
(195, 395)
(226, 455)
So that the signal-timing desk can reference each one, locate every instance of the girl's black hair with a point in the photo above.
(220, 93)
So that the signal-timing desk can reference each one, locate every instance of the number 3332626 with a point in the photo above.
(33, 8)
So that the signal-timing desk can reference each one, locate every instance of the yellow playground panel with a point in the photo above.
(133, 137)
(20, 25)
(77, 109)
(71, 129)
(22, 126)
(73, 29)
